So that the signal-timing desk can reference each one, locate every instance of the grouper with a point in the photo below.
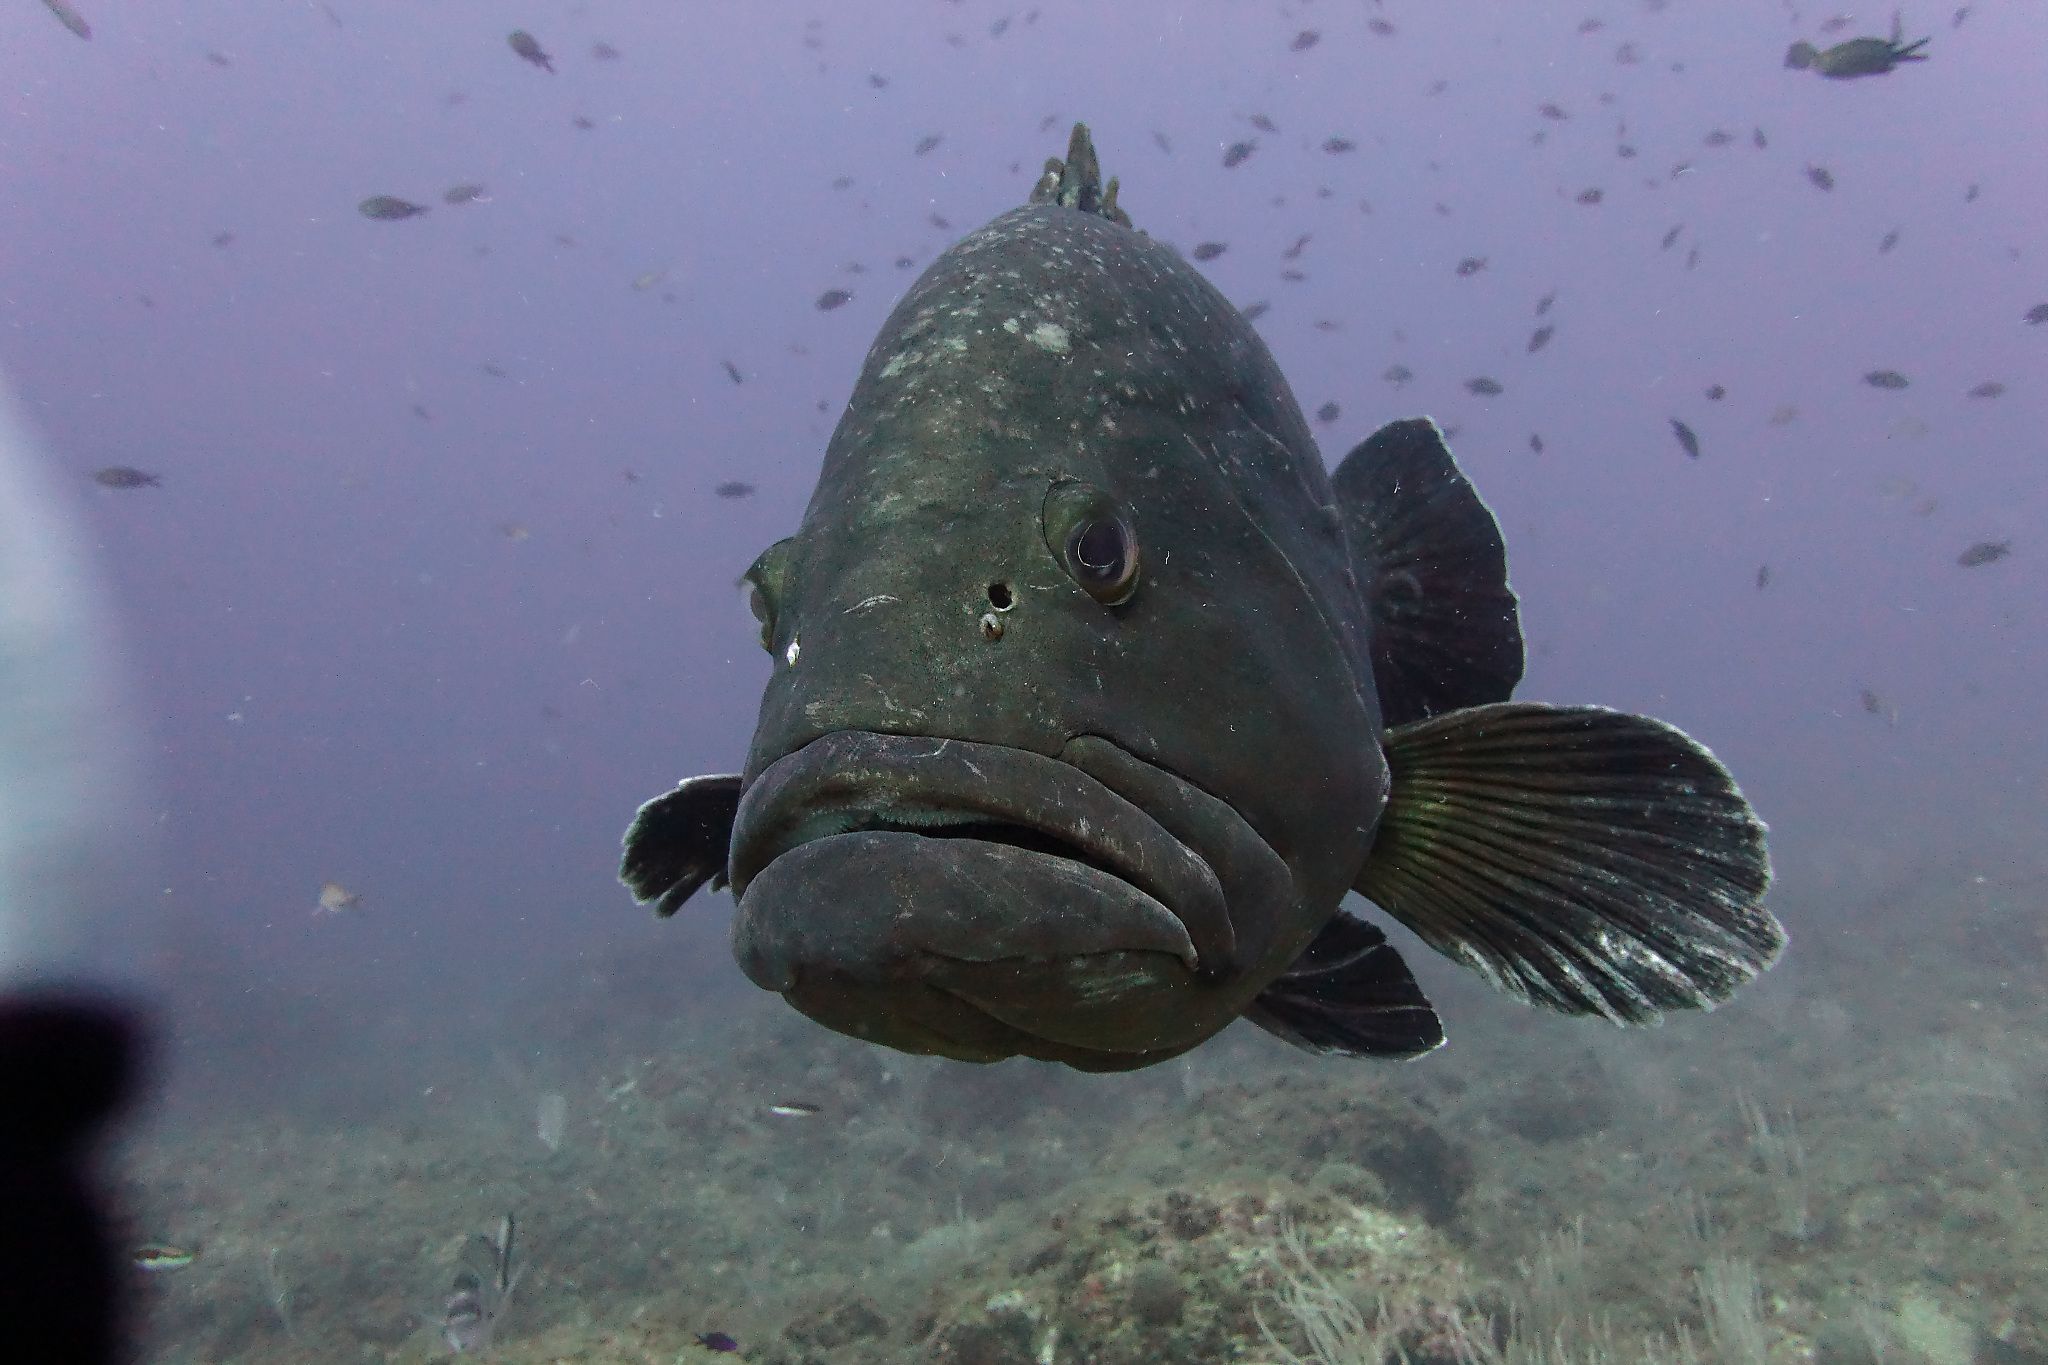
(1094, 694)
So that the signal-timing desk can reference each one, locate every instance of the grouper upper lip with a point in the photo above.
(851, 780)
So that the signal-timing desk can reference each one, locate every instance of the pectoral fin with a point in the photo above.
(1586, 860)
(679, 841)
(1350, 993)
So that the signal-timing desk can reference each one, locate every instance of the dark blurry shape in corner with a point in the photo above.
(70, 1036)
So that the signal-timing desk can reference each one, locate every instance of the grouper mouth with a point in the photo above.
(974, 899)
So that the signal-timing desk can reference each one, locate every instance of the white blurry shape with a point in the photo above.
(68, 810)
(553, 1120)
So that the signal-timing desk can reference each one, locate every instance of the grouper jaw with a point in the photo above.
(866, 863)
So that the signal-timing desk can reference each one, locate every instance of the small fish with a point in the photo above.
(1984, 552)
(831, 299)
(1686, 439)
(1543, 304)
(160, 1256)
(1990, 388)
(2037, 315)
(1540, 338)
(1858, 56)
(1397, 375)
(70, 18)
(464, 194)
(1671, 237)
(1784, 415)
(477, 1301)
(1485, 386)
(1328, 412)
(928, 143)
(604, 52)
(1591, 196)
(336, 898)
(717, 1341)
(389, 208)
(1763, 577)
(1337, 146)
(1471, 265)
(1716, 392)
(1877, 706)
(1125, 877)
(1555, 113)
(796, 1109)
(1293, 253)
(1821, 177)
(1304, 40)
(1208, 251)
(1535, 443)
(734, 488)
(1887, 242)
(528, 48)
(1254, 311)
(1382, 28)
(1886, 379)
(1758, 140)
(1263, 124)
(125, 476)
(1236, 153)
(732, 372)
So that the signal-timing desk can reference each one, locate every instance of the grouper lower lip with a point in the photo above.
(862, 852)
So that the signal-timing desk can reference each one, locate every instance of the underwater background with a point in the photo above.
(422, 531)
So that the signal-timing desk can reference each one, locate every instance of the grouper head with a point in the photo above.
(1066, 726)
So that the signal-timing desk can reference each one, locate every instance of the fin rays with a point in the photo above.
(1587, 860)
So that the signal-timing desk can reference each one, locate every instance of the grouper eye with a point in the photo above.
(1093, 540)
(762, 585)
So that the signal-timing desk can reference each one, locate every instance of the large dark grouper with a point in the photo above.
(1094, 695)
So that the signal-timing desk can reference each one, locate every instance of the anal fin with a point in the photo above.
(1350, 993)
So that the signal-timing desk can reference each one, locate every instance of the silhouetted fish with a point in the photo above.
(528, 48)
(1686, 439)
(389, 208)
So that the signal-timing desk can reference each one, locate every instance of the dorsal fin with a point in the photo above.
(1446, 632)
(1076, 183)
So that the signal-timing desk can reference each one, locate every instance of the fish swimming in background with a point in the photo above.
(528, 48)
(389, 208)
(157, 1257)
(1858, 56)
(125, 476)
(70, 18)
(478, 1299)
(336, 898)
(1688, 440)
(1094, 695)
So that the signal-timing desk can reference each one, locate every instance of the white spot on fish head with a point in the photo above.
(789, 655)
(1052, 337)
